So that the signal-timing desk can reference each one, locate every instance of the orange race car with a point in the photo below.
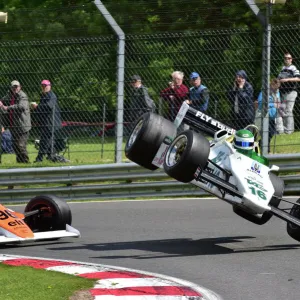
(45, 217)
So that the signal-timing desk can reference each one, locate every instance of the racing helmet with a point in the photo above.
(243, 139)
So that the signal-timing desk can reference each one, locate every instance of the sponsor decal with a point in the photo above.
(5, 214)
(220, 156)
(214, 122)
(197, 173)
(256, 167)
(162, 151)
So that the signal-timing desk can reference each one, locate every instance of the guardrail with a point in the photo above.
(111, 181)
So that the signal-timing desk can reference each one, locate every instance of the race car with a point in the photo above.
(212, 156)
(45, 218)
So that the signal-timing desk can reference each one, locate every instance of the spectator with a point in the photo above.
(199, 93)
(289, 76)
(274, 103)
(139, 101)
(49, 120)
(241, 97)
(15, 106)
(175, 94)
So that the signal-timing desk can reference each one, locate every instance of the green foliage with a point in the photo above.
(70, 43)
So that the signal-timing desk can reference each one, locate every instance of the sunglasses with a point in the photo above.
(15, 86)
(44, 85)
(288, 58)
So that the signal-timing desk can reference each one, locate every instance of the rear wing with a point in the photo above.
(200, 121)
(195, 119)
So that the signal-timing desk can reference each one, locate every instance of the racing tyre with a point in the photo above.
(293, 230)
(278, 185)
(54, 214)
(187, 151)
(146, 137)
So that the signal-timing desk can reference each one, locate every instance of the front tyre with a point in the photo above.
(187, 151)
(146, 137)
(54, 214)
(293, 230)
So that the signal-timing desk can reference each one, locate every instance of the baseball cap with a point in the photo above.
(136, 78)
(46, 82)
(194, 75)
(15, 82)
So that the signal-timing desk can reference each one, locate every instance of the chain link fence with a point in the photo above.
(216, 55)
(83, 75)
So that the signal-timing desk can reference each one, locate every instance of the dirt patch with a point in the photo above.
(82, 295)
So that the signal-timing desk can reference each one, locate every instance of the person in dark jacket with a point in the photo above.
(15, 109)
(139, 101)
(49, 120)
(241, 98)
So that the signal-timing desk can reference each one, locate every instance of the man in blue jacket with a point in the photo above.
(274, 104)
(199, 93)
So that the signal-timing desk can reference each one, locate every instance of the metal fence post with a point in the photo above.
(103, 129)
(266, 81)
(120, 77)
(52, 132)
(266, 56)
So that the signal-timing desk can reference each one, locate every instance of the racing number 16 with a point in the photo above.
(256, 189)
(259, 193)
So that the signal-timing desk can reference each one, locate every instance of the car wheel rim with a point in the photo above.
(176, 150)
(44, 221)
(135, 133)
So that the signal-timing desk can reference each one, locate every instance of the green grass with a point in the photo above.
(84, 151)
(27, 283)
(286, 143)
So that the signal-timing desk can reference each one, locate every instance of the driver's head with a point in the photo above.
(244, 140)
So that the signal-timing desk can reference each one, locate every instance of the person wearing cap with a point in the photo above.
(175, 94)
(139, 100)
(16, 110)
(49, 120)
(241, 98)
(289, 77)
(199, 93)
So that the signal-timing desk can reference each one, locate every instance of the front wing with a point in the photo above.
(8, 238)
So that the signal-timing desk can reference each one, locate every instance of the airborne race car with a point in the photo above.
(44, 218)
(247, 183)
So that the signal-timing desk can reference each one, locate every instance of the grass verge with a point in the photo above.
(27, 283)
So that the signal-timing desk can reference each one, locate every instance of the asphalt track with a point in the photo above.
(201, 241)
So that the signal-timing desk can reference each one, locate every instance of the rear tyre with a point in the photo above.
(278, 185)
(187, 151)
(54, 214)
(293, 230)
(146, 137)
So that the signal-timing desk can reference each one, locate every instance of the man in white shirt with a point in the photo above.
(288, 76)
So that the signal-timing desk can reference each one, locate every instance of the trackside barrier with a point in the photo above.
(112, 181)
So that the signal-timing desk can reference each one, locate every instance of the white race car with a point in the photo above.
(217, 166)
